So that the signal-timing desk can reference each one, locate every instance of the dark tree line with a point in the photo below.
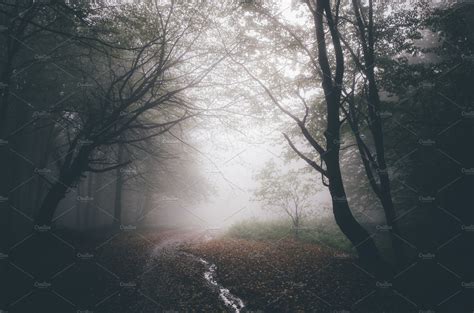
(85, 90)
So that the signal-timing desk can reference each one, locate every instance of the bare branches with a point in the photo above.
(300, 123)
(298, 40)
(305, 158)
(135, 91)
(298, 94)
(109, 168)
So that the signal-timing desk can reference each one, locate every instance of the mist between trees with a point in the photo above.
(106, 109)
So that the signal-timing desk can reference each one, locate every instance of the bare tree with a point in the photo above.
(139, 96)
(374, 162)
(331, 72)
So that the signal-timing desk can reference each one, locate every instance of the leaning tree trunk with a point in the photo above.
(332, 87)
(50, 203)
(357, 235)
(70, 173)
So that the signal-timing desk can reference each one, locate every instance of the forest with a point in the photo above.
(236, 156)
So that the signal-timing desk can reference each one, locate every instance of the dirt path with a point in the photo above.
(169, 268)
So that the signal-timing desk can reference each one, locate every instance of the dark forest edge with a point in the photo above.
(98, 105)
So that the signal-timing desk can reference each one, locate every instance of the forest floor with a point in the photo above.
(164, 271)
(268, 276)
(291, 276)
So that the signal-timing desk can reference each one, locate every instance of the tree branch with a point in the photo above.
(305, 158)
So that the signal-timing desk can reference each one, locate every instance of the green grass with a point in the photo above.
(323, 231)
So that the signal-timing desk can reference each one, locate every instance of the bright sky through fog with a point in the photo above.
(232, 159)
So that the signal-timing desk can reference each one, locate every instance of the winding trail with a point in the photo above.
(230, 300)
(170, 248)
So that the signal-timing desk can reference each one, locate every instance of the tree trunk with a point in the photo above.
(70, 173)
(97, 200)
(296, 223)
(376, 129)
(147, 205)
(50, 203)
(89, 203)
(296, 232)
(385, 188)
(332, 84)
(357, 235)
(118, 188)
(6, 81)
(78, 208)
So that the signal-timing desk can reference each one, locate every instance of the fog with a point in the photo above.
(229, 160)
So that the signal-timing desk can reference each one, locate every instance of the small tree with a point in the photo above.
(287, 193)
